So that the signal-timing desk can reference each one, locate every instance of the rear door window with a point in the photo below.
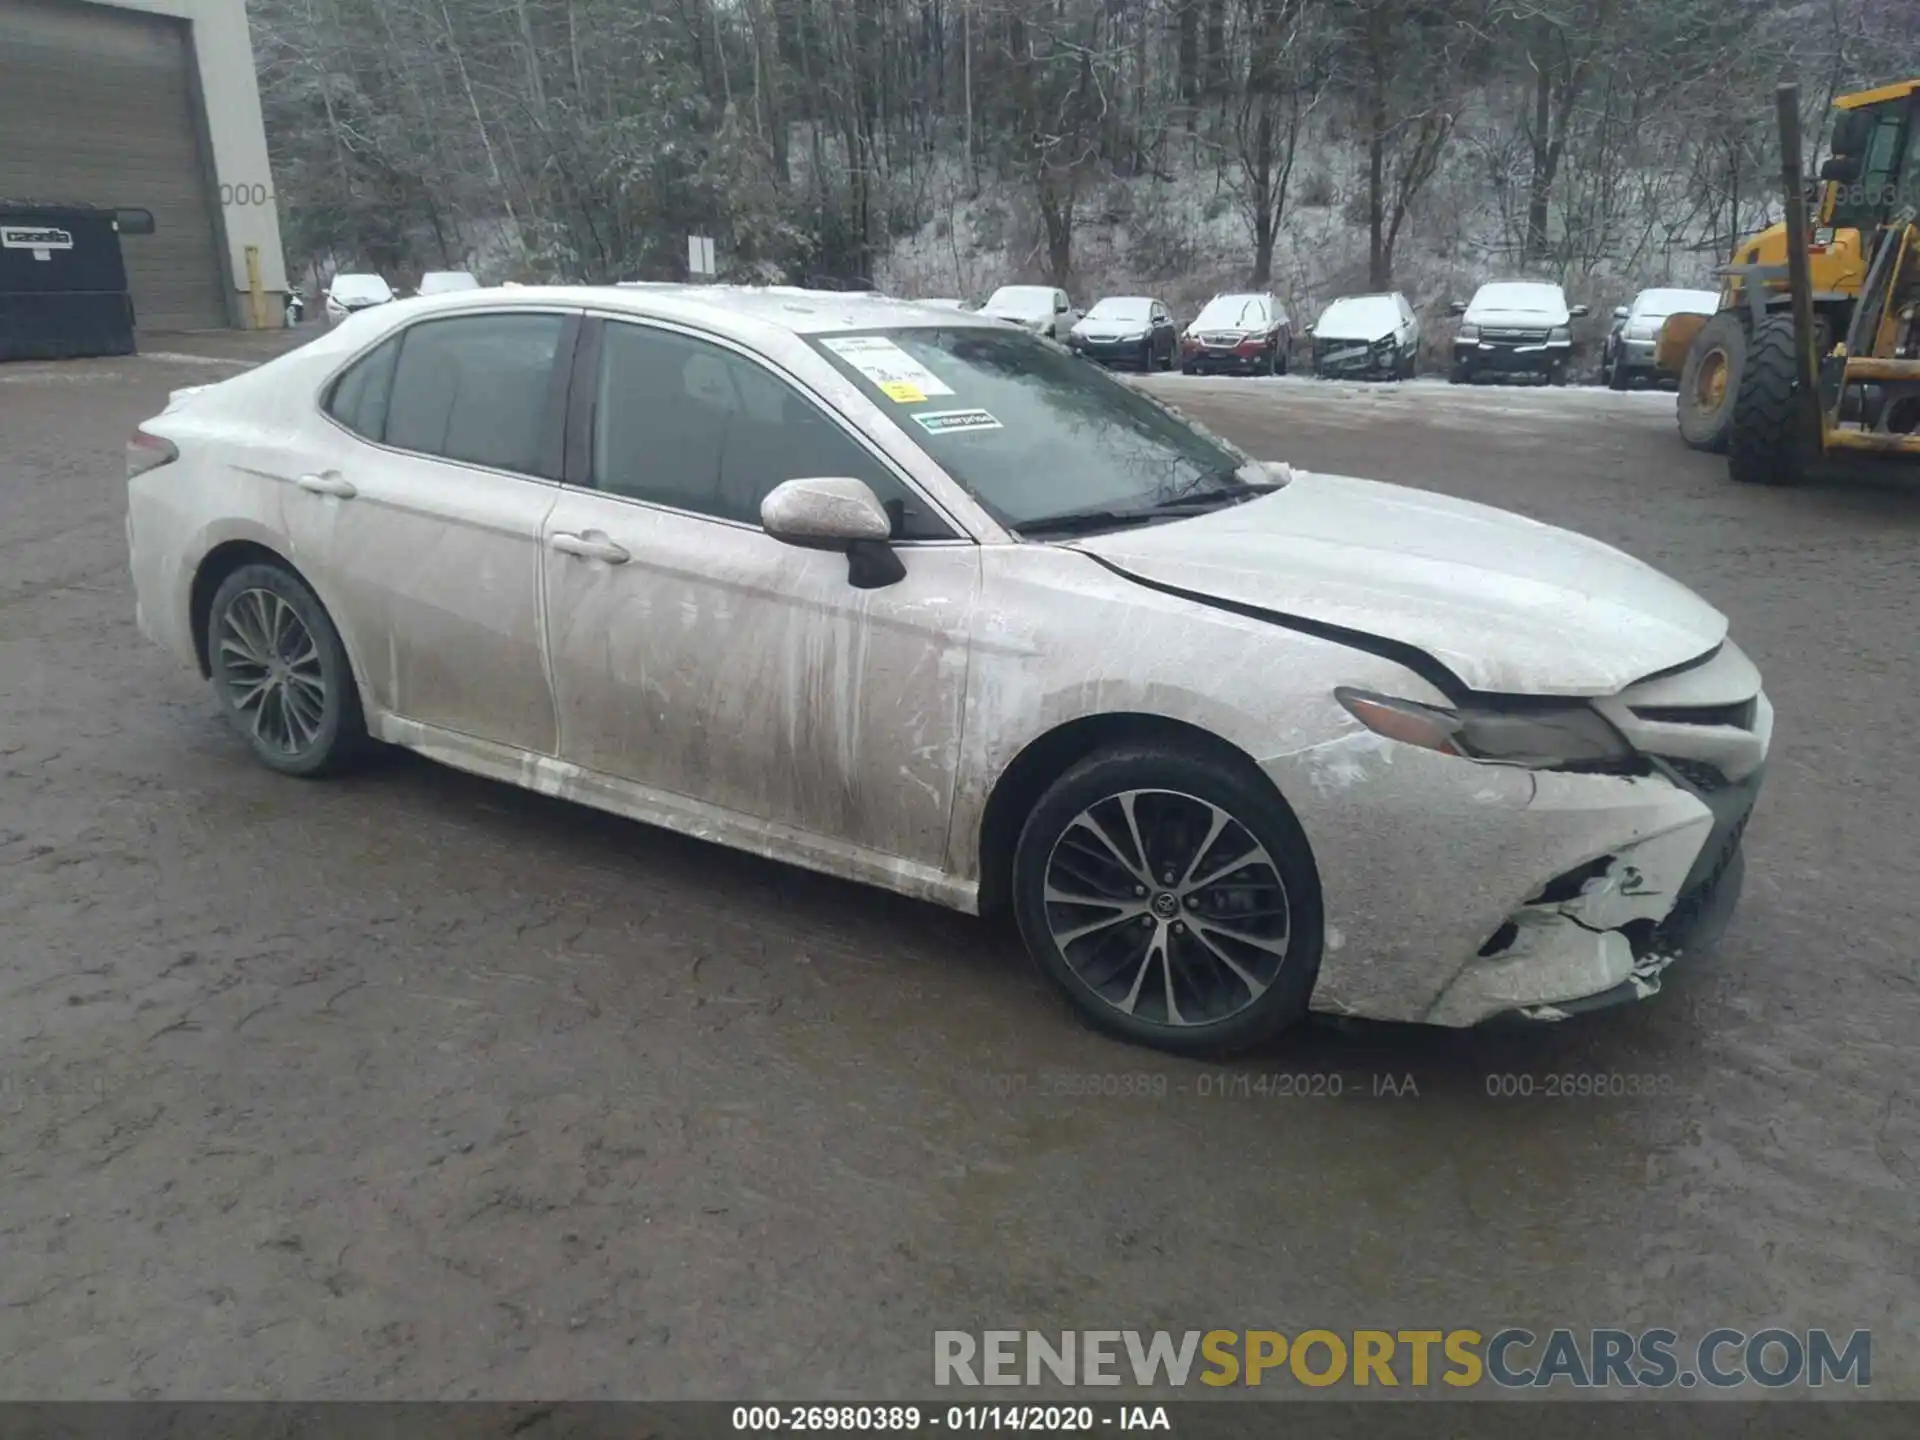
(358, 399)
(476, 389)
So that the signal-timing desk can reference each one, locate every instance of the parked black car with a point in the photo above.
(1634, 340)
(1126, 330)
(1243, 334)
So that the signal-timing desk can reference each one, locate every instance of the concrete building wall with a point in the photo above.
(237, 139)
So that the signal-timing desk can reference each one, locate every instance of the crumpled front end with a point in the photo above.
(1605, 931)
(1536, 893)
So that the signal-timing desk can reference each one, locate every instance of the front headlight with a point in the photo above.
(1549, 735)
(1560, 333)
(1468, 331)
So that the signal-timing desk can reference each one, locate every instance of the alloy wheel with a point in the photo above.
(1167, 908)
(272, 671)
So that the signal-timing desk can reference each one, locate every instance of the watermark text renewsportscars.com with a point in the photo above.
(1458, 1359)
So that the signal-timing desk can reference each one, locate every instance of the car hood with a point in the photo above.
(1507, 604)
(1357, 321)
(1109, 327)
(1503, 319)
(1352, 334)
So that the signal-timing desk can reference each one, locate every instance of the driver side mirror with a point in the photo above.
(1620, 312)
(836, 513)
(1456, 307)
(1579, 312)
(1307, 331)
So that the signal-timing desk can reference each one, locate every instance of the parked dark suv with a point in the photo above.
(1237, 335)
(1514, 327)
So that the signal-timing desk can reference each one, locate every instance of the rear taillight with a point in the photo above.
(148, 452)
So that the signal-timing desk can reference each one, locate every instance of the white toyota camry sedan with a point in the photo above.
(911, 597)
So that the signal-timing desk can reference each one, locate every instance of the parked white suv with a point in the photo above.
(1043, 309)
(1366, 335)
(1514, 327)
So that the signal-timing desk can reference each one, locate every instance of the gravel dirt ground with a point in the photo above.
(413, 1085)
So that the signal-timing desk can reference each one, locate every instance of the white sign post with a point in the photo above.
(700, 256)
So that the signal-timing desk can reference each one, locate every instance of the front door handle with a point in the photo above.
(328, 485)
(587, 549)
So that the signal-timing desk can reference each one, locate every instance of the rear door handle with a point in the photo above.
(328, 485)
(587, 549)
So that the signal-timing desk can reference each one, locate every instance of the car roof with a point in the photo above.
(732, 309)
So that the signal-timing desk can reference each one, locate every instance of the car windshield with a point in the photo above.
(1232, 312)
(1359, 317)
(439, 282)
(1658, 304)
(347, 288)
(1116, 307)
(1022, 300)
(1541, 299)
(1032, 433)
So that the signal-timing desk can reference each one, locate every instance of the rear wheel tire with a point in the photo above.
(1710, 378)
(1192, 921)
(1764, 443)
(282, 674)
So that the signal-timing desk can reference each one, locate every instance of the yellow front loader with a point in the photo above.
(1807, 407)
(1872, 171)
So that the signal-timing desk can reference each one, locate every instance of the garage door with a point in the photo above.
(97, 107)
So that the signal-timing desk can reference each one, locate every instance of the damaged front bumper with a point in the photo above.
(1605, 932)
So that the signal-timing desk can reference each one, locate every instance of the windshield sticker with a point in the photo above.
(896, 374)
(945, 422)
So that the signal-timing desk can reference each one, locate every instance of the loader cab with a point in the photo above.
(1873, 170)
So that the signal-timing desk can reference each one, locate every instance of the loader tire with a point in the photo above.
(1710, 379)
(1764, 444)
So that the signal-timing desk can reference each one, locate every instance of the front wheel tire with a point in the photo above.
(281, 673)
(1764, 441)
(1709, 381)
(1171, 896)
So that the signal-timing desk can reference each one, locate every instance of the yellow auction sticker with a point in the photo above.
(902, 392)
